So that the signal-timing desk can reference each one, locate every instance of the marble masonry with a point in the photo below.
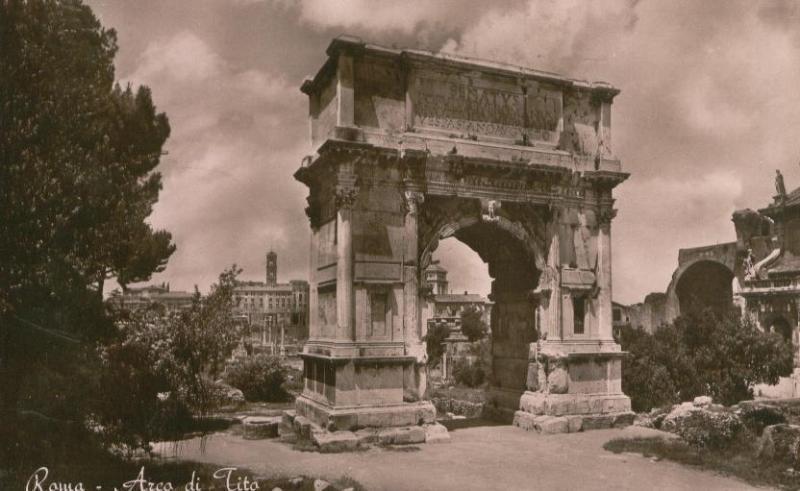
(413, 147)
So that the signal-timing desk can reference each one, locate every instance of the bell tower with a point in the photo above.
(272, 268)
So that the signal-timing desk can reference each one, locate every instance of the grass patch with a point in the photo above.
(739, 460)
(461, 393)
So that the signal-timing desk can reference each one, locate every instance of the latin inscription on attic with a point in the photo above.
(471, 106)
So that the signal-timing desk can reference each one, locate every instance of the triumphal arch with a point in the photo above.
(413, 147)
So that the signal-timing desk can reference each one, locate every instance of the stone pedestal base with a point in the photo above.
(356, 417)
(409, 424)
(501, 404)
(568, 413)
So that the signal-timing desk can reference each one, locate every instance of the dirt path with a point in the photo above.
(491, 458)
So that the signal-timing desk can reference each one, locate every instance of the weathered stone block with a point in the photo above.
(524, 420)
(367, 435)
(321, 485)
(575, 423)
(533, 377)
(780, 442)
(436, 433)
(401, 436)
(598, 422)
(259, 427)
(559, 406)
(625, 419)
(337, 441)
(702, 401)
(533, 402)
(558, 381)
(302, 426)
(551, 424)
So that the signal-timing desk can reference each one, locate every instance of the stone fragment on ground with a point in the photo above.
(260, 427)
(702, 401)
(321, 485)
(401, 436)
(334, 441)
(436, 433)
(781, 442)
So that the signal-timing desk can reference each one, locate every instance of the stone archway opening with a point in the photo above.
(778, 324)
(705, 285)
(511, 276)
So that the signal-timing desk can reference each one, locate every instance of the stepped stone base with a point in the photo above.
(296, 428)
(356, 417)
(569, 413)
(573, 423)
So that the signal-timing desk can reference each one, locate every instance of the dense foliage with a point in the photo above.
(720, 355)
(470, 374)
(472, 324)
(434, 343)
(260, 378)
(159, 371)
(77, 182)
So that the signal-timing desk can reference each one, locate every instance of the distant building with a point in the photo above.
(436, 278)
(620, 316)
(445, 308)
(649, 314)
(136, 298)
(269, 306)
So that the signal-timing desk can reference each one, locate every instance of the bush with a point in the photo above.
(469, 374)
(706, 353)
(759, 417)
(472, 324)
(260, 378)
(434, 342)
(706, 429)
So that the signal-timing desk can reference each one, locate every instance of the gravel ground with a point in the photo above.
(486, 457)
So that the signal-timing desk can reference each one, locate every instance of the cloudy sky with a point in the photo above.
(710, 107)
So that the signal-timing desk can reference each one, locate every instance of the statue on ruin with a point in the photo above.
(780, 188)
(489, 209)
(749, 266)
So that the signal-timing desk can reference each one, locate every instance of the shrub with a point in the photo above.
(706, 353)
(759, 417)
(434, 342)
(260, 378)
(472, 324)
(469, 374)
(706, 429)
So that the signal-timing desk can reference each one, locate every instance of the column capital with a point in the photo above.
(605, 214)
(345, 196)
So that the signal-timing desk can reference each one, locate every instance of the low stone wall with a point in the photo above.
(458, 407)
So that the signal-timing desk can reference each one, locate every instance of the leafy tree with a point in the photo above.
(175, 356)
(77, 182)
(260, 378)
(472, 324)
(434, 342)
(703, 353)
